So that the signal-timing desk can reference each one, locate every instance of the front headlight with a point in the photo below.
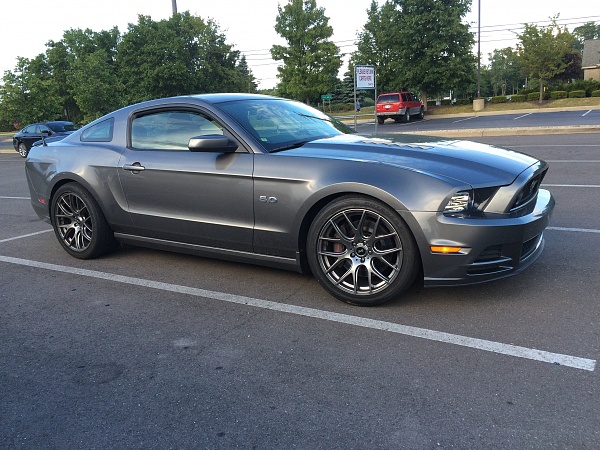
(469, 203)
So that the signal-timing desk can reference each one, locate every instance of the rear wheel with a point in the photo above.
(380, 120)
(421, 113)
(23, 151)
(361, 251)
(79, 223)
(406, 116)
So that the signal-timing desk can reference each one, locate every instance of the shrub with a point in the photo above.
(498, 99)
(596, 93)
(533, 96)
(577, 94)
(518, 98)
(555, 95)
(446, 101)
(463, 101)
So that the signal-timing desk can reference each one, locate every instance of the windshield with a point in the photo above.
(281, 124)
(60, 127)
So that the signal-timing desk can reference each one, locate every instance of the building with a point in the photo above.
(591, 59)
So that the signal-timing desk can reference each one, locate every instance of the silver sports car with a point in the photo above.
(275, 182)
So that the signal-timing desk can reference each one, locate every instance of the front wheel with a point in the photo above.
(361, 251)
(79, 223)
(23, 151)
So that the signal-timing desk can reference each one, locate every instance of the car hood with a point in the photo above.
(468, 162)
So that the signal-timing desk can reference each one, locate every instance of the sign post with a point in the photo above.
(364, 78)
(327, 97)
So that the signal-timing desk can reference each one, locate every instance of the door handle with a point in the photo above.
(135, 167)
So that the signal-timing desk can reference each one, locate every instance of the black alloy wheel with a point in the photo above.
(361, 251)
(79, 223)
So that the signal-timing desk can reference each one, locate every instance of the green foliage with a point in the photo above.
(310, 60)
(499, 99)
(577, 94)
(504, 70)
(555, 95)
(596, 93)
(88, 74)
(518, 98)
(420, 44)
(543, 51)
(589, 30)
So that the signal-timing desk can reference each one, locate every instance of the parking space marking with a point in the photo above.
(524, 115)
(24, 236)
(576, 230)
(463, 120)
(14, 198)
(572, 185)
(432, 335)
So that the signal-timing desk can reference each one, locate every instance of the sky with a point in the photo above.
(249, 24)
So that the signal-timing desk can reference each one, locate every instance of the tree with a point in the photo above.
(310, 60)
(181, 55)
(542, 51)
(378, 44)
(504, 71)
(436, 45)
(421, 44)
(584, 32)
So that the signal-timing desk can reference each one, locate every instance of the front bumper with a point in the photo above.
(492, 248)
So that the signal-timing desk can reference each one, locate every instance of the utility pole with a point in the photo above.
(174, 3)
(478, 49)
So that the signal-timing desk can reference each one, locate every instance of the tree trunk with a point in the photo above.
(541, 90)
(424, 98)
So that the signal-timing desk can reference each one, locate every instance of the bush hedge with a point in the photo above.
(555, 95)
(498, 99)
(518, 98)
(596, 93)
(577, 94)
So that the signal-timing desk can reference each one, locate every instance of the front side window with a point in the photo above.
(170, 130)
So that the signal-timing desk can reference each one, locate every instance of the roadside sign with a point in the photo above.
(365, 77)
(327, 97)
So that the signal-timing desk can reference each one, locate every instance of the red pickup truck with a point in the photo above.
(398, 106)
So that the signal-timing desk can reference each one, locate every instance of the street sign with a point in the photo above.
(327, 97)
(365, 77)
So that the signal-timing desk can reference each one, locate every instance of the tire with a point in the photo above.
(361, 251)
(79, 223)
(23, 150)
(421, 113)
(380, 120)
(406, 117)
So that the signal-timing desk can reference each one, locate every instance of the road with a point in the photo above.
(149, 349)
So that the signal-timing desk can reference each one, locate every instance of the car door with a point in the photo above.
(30, 135)
(174, 194)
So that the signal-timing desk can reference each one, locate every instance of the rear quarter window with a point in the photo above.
(101, 132)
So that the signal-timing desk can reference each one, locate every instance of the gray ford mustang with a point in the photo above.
(271, 181)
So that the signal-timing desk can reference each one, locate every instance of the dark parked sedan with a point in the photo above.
(271, 181)
(24, 139)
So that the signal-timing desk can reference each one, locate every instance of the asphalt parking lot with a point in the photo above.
(149, 349)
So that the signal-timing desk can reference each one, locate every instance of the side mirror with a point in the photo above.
(212, 143)
(46, 132)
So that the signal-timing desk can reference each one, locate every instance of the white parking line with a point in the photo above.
(575, 230)
(24, 236)
(573, 185)
(14, 198)
(524, 115)
(586, 113)
(465, 119)
(432, 335)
